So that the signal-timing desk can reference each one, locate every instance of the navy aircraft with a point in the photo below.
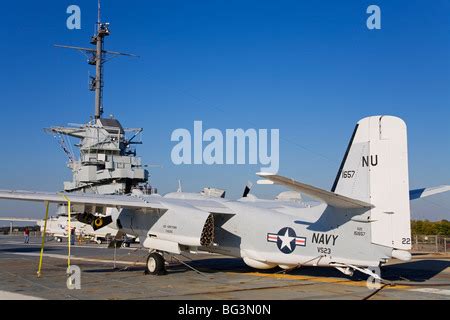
(359, 225)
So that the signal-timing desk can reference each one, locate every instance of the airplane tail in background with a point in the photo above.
(375, 171)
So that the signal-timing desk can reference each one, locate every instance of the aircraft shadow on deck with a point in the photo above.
(22, 249)
(415, 271)
(235, 265)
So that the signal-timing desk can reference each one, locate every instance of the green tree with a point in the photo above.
(426, 227)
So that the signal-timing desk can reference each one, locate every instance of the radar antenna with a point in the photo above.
(97, 58)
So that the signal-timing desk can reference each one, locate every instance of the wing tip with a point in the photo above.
(265, 174)
(264, 182)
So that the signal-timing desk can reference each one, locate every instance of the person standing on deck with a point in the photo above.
(26, 234)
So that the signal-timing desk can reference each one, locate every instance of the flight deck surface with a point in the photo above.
(201, 277)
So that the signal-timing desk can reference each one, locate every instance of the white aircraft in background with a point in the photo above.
(57, 227)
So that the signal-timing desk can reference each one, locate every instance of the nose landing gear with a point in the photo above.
(155, 264)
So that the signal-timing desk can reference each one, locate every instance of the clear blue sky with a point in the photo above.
(310, 68)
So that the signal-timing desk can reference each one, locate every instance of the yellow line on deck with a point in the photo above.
(320, 280)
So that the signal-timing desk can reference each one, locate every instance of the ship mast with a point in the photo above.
(98, 57)
(108, 163)
(101, 32)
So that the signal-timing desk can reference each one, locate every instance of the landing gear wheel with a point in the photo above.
(155, 264)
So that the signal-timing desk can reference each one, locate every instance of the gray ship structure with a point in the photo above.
(106, 161)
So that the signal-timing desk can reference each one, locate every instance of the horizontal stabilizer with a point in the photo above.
(426, 192)
(328, 197)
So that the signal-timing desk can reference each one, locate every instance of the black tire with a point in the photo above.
(155, 264)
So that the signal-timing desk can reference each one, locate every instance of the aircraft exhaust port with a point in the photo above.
(207, 236)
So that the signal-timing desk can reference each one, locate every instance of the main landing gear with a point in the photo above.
(155, 264)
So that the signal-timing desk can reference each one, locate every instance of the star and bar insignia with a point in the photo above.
(286, 240)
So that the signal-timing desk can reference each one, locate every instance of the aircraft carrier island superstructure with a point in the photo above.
(107, 162)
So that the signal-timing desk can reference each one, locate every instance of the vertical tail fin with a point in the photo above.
(375, 170)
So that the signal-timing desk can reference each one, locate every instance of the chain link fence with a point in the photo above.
(435, 244)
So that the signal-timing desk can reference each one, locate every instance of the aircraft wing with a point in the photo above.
(193, 217)
(12, 219)
(120, 201)
(89, 199)
(426, 192)
(333, 199)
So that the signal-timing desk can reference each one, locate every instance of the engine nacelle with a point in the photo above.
(180, 225)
